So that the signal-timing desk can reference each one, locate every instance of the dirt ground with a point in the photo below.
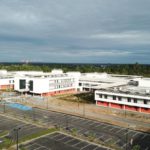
(69, 104)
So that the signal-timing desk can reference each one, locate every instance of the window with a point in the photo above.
(100, 95)
(135, 100)
(105, 96)
(22, 84)
(114, 97)
(119, 98)
(80, 84)
(145, 101)
(31, 85)
(129, 99)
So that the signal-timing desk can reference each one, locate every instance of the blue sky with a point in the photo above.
(78, 31)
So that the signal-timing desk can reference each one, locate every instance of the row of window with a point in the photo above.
(62, 81)
(63, 86)
(11, 81)
(120, 98)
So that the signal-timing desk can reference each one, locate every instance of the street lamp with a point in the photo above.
(17, 131)
(84, 109)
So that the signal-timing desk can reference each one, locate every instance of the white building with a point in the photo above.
(130, 97)
(6, 80)
(46, 84)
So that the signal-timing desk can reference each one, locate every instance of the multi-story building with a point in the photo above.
(6, 80)
(130, 97)
(46, 84)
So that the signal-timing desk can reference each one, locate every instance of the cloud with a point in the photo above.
(64, 30)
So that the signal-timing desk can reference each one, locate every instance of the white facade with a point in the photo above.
(47, 83)
(122, 98)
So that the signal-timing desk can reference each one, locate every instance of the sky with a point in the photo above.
(75, 31)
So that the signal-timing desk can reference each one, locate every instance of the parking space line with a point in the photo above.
(91, 123)
(117, 141)
(85, 146)
(120, 130)
(143, 136)
(69, 141)
(41, 146)
(76, 144)
(114, 127)
(29, 145)
(105, 126)
(135, 134)
(99, 138)
(53, 136)
(32, 145)
(61, 138)
(127, 132)
(107, 139)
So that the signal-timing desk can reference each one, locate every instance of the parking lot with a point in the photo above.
(9, 126)
(57, 141)
(104, 133)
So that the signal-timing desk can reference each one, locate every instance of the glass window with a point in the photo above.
(135, 100)
(129, 99)
(100, 95)
(119, 98)
(105, 96)
(114, 97)
(145, 101)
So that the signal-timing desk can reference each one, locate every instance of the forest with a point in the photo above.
(126, 69)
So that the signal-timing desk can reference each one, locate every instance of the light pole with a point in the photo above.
(4, 108)
(67, 123)
(17, 130)
(84, 109)
(47, 102)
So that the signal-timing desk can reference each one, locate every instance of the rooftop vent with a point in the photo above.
(132, 82)
(147, 91)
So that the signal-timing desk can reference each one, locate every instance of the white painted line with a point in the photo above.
(91, 123)
(85, 146)
(76, 144)
(117, 141)
(113, 127)
(61, 138)
(53, 136)
(147, 148)
(136, 133)
(124, 145)
(105, 126)
(100, 137)
(144, 136)
(128, 131)
(69, 141)
(107, 139)
(120, 130)
(41, 146)
(27, 146)
(97, 125)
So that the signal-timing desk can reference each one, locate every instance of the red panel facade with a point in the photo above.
(126, 107)
(114, 105)
(59, 92)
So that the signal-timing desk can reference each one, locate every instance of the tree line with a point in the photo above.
(126, 69)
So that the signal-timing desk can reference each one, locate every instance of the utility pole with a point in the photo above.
(17, 138)
(67, 123)
(84, 109)
(4, 108)
(47, 102)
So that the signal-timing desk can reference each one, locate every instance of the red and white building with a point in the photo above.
(6, 81)
(131, 97)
